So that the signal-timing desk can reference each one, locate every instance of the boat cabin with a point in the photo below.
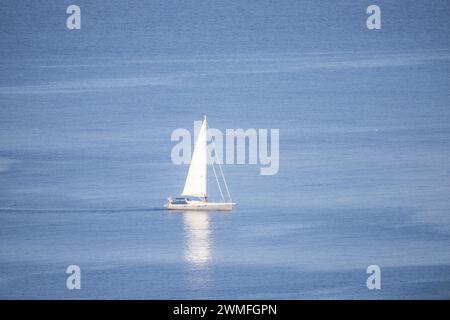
(179, 201)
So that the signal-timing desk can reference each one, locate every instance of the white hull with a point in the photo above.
(202, 206)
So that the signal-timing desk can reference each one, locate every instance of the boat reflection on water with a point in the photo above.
(198, 248)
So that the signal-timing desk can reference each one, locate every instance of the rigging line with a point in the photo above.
(218, 184)
(220, 167)
(224, 181)
(214, 169)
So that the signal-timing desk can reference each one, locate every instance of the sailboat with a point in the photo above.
(196, 184)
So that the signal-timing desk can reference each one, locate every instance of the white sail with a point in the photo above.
(196, 179)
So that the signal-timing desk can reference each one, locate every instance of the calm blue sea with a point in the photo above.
(85, 123)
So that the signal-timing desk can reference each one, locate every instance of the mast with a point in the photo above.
(205, 156)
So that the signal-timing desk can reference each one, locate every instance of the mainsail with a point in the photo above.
(195, 185)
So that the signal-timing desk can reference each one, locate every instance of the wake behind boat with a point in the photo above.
(196, 184)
